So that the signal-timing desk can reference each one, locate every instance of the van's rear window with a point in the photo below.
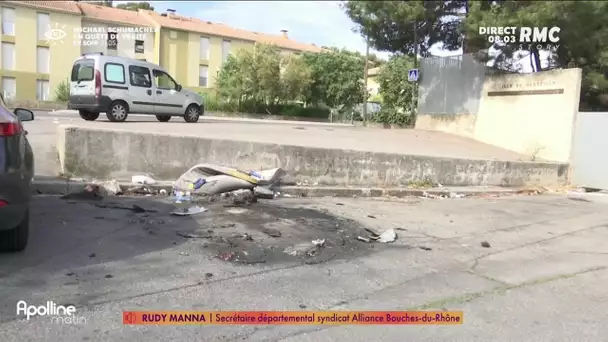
(83, 70)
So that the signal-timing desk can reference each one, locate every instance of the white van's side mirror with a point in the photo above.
(178, 87)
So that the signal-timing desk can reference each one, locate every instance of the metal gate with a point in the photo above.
(590, 145)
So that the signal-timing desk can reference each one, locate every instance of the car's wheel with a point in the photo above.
(163, 118)
(15, 240)
(193, 112)
(88, 116)
(118, 111)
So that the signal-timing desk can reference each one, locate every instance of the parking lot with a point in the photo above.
(541, 278)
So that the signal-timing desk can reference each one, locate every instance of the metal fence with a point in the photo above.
(450, 85)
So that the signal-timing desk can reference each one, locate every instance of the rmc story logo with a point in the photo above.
(60, 314)
(543, 38)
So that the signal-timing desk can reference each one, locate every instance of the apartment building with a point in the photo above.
(373, 88)
(41, 39)
(32, 63)
(117, 32)
(188, 45)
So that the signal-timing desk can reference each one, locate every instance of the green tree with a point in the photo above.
(265, 70)
(583, 38)
(396, 91)
(253, 79)
(390, 25)
(337, 78)
(296, 78)
(230, 81)
(106, 3)
(134, 6)
(375, 61)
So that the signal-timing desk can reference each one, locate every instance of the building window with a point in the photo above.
(8, 21)
(139, 46)
(42, 90)
(112, 40)
(203, 75)
(114, 73)
(83, 70)
(9, 87)
(140, 76)
(43, 60)
(44, 25)
(8, 56)
(204, 48)
(173, 34)
(163, 80)
(225, 49)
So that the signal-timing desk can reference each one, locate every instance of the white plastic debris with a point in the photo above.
(361, 238)
(318, 242)
(263, 192)
(142, 179)
(389, 235)
(188, 211)
(455, 195)
(109, 188)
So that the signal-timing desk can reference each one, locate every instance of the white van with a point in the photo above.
(118, 86)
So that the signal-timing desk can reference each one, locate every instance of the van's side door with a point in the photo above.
(141, 93)
(115, 82)
(168, 99)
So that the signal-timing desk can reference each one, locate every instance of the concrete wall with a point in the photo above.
(126, 41)
(449, 94)
(118, 154)
(533, 114)
(459, 124)
(589, 166)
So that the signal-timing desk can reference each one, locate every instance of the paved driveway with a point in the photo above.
(543, 278)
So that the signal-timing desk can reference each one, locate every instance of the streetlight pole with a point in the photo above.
(365, 71)
(415, 94)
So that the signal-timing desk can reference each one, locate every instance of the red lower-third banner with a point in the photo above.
(291, 317)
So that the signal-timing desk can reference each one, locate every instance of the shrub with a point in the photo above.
(389, 115)
(62, 93)
(216, 104)
(308, 112)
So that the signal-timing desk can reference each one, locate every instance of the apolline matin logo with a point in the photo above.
(543, 38)
(60, 314)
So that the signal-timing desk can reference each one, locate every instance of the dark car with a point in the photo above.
(16, 173)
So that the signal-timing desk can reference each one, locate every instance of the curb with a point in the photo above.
(298, 191)
(62, 187)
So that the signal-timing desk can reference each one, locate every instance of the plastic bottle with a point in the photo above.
(199, 183)
(255, 174)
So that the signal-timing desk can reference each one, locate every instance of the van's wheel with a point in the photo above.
(118, 111)
(163, 118)
(88, 116)
(193, 112)
(15, 240)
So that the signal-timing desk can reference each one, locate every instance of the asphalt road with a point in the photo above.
(543, 278)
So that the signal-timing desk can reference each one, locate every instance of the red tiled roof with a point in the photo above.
(150, 18)
(116, 15)
(179, 22)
